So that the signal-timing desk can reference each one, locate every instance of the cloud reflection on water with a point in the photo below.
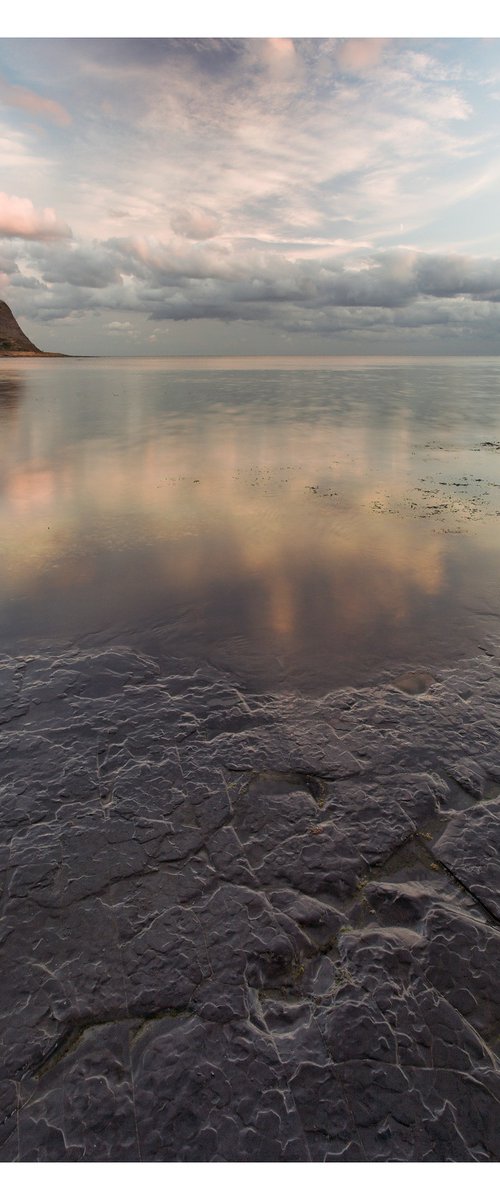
(262, 527)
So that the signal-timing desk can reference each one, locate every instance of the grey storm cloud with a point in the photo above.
(80, 266)
(441, 275)
(186, 281)
(195, 224)
(8, 264)
(214, 276)
(251, 285)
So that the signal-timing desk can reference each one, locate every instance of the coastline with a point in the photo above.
(33, 354)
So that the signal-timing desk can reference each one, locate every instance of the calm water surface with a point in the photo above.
(302, 523)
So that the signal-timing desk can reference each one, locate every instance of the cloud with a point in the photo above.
(87, 265)
(277, 55)
(288, 137)
(8, 263)
(20, 219)
(18, 154)
(199, 132)
(361, 54)
(195, 224)
(38, 106)
(256, 180)
(368, 294)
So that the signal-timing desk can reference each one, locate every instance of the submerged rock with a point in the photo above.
(414, 682)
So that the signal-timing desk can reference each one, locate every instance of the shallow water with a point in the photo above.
(301, 523)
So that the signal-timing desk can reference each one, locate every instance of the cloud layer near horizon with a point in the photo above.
(330, 192)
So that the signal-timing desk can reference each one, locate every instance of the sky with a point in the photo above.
(252, 195)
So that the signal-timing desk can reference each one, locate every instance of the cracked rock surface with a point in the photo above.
(245, 927)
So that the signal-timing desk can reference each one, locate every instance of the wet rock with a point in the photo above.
(470, 775)
(470, 848)
(240, 927)
(414, 682)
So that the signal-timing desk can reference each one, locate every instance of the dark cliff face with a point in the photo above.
(12, 338)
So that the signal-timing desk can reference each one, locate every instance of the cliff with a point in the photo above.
(12, 339)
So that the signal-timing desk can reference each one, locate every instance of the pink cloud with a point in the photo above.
(39, 106)
(19, 218)
(195, 224)
(360, 54)
(280, 56)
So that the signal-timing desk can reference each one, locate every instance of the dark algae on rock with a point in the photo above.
(239, 927)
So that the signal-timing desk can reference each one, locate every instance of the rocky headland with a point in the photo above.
(14, 343)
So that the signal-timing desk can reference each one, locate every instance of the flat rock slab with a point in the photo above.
(242, 927)
(469, 849)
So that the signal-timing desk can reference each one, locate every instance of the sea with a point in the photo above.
(301, 524)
